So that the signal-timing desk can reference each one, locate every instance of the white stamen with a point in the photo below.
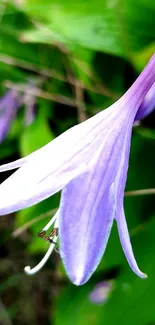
(50, 223)
(38, 267)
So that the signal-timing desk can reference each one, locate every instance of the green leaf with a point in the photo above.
(99, 25)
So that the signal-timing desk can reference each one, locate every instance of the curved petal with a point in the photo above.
(19, 196)
(14, 164)
(38, 179)
(85, 224)
(137, 92)
(119, 185)
(148, 104)
(87, 210)
(66, 144)
(126, 244)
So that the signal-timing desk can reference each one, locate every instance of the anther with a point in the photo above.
(52, 239)
(52, 234)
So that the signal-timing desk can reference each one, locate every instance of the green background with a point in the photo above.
(80, 56)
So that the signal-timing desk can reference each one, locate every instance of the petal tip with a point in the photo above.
(141, 274)
(144, 276)
(79, 277)
(79, 282)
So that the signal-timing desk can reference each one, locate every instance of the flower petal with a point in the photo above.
(85, 224)
(119, 185)
(14, 164)
(126, 244)
(87, 210)
(44, 174)
(148, 104)
(19, 196)
(137, 92)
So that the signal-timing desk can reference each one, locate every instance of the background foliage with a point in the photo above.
(72, 59)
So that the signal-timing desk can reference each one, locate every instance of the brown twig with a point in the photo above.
(47, 72)
(35, 91)
(81, 108)
(147, 191)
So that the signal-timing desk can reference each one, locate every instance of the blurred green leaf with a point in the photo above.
(113, 27)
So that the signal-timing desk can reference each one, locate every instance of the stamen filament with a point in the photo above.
(50, 223)
(39, 266)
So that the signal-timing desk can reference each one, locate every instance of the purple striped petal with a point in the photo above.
(148, 104)
(126, 244)
(45, 174)
(87, 210)
(141, 86)
(119, 185)
(85, 225)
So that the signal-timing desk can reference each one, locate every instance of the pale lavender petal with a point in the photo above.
(84, 228)
(19, 162)
(87, 210)
(45, 173)
(101, 292)
(119, 185)
(126, 244)
(14, 164)
(134, 97)
(67, 144)
(148, 104)
(15, 197)
(8, 109)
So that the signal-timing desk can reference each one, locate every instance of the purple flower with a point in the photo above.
(147, 105)
(89, 162)
(101, 292)
(9, 105)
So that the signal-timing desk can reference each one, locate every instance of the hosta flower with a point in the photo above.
(89, 162)
(9, 105)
